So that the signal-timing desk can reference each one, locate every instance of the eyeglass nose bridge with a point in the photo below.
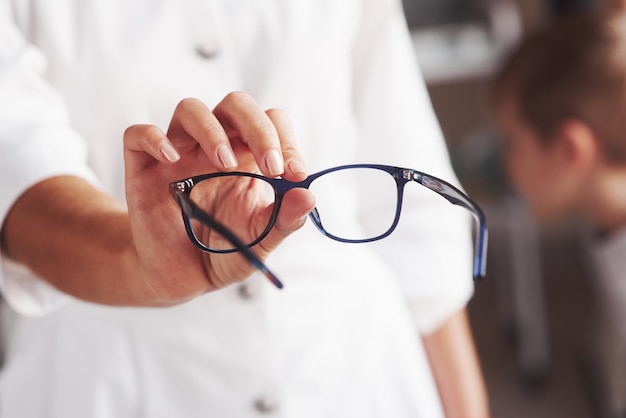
(282, 186)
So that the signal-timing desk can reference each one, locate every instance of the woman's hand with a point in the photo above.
(237, 134)
(85, 243)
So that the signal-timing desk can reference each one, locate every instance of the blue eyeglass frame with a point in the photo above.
(181, 190)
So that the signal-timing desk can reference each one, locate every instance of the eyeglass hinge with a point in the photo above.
(409, 174)
(426, 181)
(184, 185)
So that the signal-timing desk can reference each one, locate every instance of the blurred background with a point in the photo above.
(546, 346)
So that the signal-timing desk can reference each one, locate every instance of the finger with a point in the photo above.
(194, 124)
(294, 209)
(255, 129)
(295, 168)
(143, 144)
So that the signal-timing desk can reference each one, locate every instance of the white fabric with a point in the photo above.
(342, 338)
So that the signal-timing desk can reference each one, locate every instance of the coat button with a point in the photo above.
(207, 50)
(248, 289)
(266, 404)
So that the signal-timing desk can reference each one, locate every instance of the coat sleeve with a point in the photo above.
(36, 143)
(431, 249)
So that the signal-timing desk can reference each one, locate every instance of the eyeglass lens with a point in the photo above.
(240, 192)
(343, 196)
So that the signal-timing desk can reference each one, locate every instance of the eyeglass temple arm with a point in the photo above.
(192, 211)
(456, 197)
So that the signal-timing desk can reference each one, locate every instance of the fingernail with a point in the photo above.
(169, 152)
(226, 157)
(297, 167)
(274, 163)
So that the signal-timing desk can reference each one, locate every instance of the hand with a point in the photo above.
(237, 134)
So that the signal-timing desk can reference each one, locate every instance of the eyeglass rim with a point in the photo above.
(190, 210)
(401, 176)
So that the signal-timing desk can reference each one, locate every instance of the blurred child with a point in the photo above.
(560, 101)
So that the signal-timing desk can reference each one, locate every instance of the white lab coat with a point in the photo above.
(342, 338)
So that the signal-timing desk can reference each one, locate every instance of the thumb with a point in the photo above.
(296, 205)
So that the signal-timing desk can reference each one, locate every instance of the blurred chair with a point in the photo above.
(521, 299)
(603, 358)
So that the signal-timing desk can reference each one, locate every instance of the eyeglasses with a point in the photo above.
(217, 229)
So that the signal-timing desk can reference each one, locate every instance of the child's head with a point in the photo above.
(560, 101)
